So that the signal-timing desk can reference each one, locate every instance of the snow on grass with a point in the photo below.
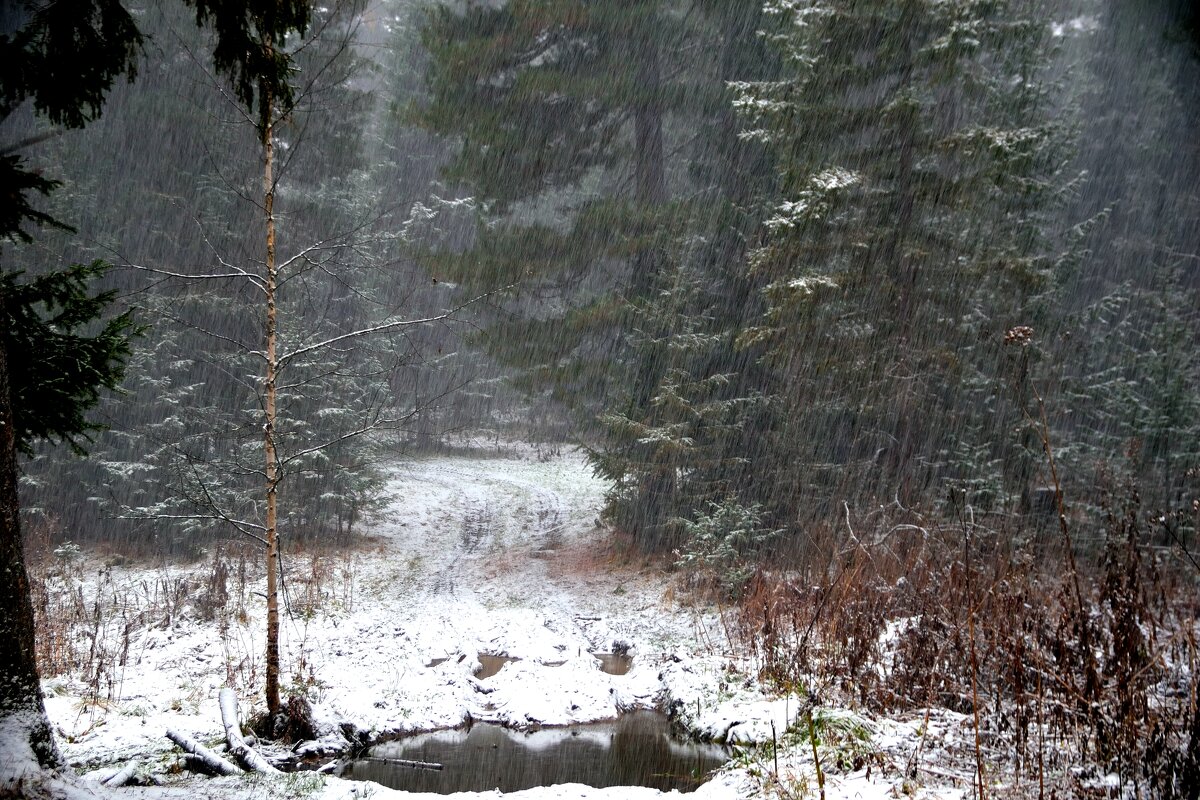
(498, 556)
(18, 763)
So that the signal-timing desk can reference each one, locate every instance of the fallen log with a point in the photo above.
(211, 760)
(197, 765)
(124, 776)
(248, 756)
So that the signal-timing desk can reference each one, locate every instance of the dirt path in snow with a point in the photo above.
(477, 522)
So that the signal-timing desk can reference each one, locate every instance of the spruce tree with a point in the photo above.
(612, 185)
(918, 167)
(564, 114)
(675, 439)
(51, 371)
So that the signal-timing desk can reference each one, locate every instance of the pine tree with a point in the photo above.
(673, 446)
(1134, 387)
(609, 174)
(674, 440)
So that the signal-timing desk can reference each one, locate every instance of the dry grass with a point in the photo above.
(612, 556)
(911, 616)
(93, 608)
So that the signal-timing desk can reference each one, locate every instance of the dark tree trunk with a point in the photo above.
(22, 712)
(651, 183)
(650, 194)
(651, 178)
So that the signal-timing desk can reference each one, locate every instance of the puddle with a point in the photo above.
(491, 665)
(636, 750)
(615, 663)
(612, 663)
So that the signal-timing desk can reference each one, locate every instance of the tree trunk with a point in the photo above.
(904, 275)
(124, 776)
(651, 178)
(272, 458)
(650, 194)
(651, 184)
(22, 712)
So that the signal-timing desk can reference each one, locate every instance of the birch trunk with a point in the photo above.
(124, 776)
(272, 458)
(213, 761)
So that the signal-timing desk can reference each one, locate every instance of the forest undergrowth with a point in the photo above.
(1075, 665)
(93, 609)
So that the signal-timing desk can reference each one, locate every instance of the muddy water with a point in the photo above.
(635, 750)
(490, 665)
(615, 663)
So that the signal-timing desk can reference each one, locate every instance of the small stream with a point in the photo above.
(638, 749)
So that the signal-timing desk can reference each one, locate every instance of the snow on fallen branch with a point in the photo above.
(124, 776)
(208, 757)
(244, 753)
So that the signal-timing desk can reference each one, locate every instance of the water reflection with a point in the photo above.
(635, 750)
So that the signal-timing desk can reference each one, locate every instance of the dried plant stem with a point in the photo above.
(1091, 671)
(1041, 742)
(774, 748)
(975, 702)
(915, 760)
(974, 660)
(812, 739)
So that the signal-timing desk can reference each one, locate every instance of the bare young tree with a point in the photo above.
(314, 341)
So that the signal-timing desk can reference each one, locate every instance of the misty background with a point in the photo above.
(762, 293)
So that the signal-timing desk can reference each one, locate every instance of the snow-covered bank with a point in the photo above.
(495, 556)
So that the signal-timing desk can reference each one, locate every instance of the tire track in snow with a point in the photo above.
(477, 528)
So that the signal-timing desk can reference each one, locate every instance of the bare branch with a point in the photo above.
(213, 334)
(374, 425)
(29, 141)
(236, 523)
(235, 272)
(383, 327)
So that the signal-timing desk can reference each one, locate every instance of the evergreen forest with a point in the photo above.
(873, 324)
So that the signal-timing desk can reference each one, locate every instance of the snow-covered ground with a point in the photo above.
(501, 556)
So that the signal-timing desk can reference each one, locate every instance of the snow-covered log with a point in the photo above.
(248, 756)
(211, 760)
(124, 776)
